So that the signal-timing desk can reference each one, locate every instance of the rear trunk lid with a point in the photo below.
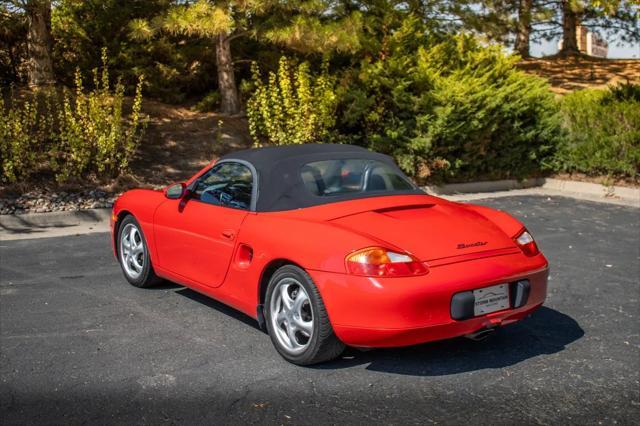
(429, 231)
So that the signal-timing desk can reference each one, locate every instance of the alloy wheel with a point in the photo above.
(291, 315)
(132, 251)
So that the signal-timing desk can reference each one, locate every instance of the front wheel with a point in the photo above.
(133, 254)
(297, 320)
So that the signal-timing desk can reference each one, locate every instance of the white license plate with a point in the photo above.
(491, 299)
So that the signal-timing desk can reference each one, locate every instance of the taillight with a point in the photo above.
(380, 262)
(527, 244)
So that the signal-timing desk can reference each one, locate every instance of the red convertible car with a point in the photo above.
(331, 245)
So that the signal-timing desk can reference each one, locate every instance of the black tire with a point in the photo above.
(147, 276)
(323, 344)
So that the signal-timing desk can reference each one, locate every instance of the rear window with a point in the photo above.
(335, 177)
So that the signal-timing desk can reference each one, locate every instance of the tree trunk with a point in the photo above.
(569, 29)
(524, 27)
(39, 42)
(226, 79)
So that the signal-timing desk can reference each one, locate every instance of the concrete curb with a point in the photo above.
(591, 189)
(41, 225)
(483, 186)
(54, 224)
(571, 188)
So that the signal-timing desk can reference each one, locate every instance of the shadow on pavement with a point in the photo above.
(220, 307)
(547, 331)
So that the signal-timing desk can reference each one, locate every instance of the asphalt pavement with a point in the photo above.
(80, 345)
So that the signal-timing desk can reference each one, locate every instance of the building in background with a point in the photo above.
(590, 43)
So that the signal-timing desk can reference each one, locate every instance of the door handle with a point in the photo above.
(228, 234)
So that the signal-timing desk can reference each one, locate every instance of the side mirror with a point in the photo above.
(175, 191)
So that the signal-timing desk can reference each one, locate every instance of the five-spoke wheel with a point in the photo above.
(133, 254)
(292, 315)
(297, 320)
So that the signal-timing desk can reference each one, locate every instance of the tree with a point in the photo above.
(614, 17)
(13, 49)
(617, 18)
(510, 22)
(38, 14)
(522, 21)
(174, 70)
(301, 25)
(523, 33)
(570, 11)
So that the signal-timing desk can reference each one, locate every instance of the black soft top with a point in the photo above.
(278, 172)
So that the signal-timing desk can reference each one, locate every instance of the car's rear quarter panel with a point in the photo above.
(308, 244)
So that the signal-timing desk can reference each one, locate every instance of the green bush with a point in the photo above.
(70, 134)
(209, 102)
(293, 107)
(174, 71)
(21, 131)
(602, 132)
(457, 110)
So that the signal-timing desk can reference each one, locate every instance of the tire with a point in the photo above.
(299, 326)
(136, 262)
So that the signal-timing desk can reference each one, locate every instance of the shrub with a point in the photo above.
(602, 132)
(456, 110)
(21, 130)
(293, 107)
(72, 134)
(209, 102)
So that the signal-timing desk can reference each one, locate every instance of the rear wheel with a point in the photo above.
(297, 320)
(133, 254)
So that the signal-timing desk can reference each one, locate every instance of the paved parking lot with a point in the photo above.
(80, 345)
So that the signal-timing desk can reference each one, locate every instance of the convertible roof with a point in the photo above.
(280, 185)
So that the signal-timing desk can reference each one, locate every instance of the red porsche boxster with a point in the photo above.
(331, 245)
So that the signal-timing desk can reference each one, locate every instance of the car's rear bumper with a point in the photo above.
(382, 312)
(380, 337)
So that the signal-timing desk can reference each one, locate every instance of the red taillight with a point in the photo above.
(380, 262)
(527, 244)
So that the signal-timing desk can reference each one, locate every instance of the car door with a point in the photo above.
(196, 235)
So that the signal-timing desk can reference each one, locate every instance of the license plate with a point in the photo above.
(491, 299)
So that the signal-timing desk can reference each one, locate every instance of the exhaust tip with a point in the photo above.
(480, 334)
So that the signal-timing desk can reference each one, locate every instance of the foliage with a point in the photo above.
(311, 33)
(602, 132)
(13, 46)
(395, 79)
(456, 110)
(293, 107)
(72, 134)
(301, 25)
(21, 130)
(209, 102)
(174, 70)
(500, 20)
(622, 92)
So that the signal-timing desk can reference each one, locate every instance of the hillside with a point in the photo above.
(573, 73)
(179, 141)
